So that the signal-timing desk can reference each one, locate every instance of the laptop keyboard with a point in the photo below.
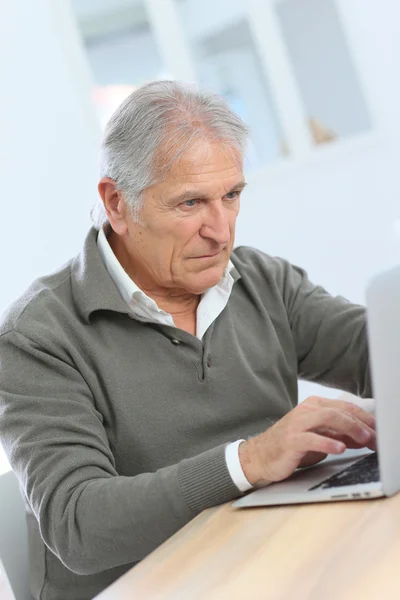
(364, 470)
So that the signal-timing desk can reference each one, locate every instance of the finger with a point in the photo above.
(350, 443)
(358, 412)
(314, 442)
(341, 423)
(312, 458)
(349, 408)
(368, 437)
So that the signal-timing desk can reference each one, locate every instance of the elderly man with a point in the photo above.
(155, 375)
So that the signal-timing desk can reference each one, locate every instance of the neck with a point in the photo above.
(182, 308)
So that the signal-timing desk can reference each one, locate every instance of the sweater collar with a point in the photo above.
(92, 286)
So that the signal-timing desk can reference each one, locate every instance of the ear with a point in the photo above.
(114, 204)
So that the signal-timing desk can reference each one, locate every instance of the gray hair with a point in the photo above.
(152, 128)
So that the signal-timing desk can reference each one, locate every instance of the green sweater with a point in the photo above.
(117, 428)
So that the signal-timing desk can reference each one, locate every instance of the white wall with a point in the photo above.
(48, 144)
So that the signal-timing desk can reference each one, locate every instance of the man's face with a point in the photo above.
(189, 222)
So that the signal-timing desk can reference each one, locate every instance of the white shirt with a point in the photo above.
(212, 303)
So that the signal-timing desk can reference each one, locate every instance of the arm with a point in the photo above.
(89, 516)
(329, 333)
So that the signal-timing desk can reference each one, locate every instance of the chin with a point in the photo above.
(201, 282)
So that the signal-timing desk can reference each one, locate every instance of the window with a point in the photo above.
(226, 61)
(285, 66)
(324, 68)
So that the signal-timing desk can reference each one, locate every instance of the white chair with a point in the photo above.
(13, 537)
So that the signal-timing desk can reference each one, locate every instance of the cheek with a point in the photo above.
(232, 221)
(187, 233)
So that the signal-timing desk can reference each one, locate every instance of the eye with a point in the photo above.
(190, 203)
(232, 195)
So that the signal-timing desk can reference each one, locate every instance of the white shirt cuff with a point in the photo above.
(235, 468)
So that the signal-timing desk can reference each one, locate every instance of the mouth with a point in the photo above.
(210, 255)
(205, 256)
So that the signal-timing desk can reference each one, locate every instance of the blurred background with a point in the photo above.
(314, 79)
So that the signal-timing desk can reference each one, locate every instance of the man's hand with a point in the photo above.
(306, 435)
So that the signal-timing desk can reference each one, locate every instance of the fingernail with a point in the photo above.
(365, 435)
(340, 447)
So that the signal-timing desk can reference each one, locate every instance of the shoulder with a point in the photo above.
(271, 276)
(252, 262)
(44, 299)
(247, 256)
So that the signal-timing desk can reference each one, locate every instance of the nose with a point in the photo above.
(216, 225)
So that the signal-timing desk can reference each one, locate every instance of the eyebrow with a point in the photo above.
(197, 195)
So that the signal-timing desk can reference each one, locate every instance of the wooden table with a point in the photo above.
(333, 551)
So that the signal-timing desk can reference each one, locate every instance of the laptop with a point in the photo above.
(358, 474)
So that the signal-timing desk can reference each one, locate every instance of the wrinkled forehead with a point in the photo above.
(206, 163)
